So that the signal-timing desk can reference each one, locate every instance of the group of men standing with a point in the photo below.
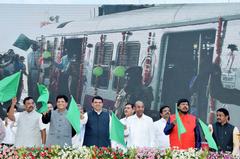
(140, 130)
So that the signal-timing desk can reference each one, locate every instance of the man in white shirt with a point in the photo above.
(140, 128)
(160, 139)
(30, 129)
(128, 111)
(10, 128)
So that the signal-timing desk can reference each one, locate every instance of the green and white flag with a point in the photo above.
(117, 130)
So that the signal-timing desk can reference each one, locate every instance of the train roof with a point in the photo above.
(161, 16)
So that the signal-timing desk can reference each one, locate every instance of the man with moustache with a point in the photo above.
(224, 133)
(30, 129)
(140, 128)
(160, 139)
(191, 138)
(128, 111)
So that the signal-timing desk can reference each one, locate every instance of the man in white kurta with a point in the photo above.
(128, 111)
(140, 128)
(30, 129)
(161, 140)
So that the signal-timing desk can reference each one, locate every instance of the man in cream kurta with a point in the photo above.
(140, 128)
(30, 127)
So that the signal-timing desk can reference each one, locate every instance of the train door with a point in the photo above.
(70, 68)
(186, 72)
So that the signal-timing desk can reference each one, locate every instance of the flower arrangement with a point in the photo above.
(107, 153)
(8, 152)
(67, 152)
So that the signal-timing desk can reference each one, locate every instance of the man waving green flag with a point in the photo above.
(43, 98)
(9, 86)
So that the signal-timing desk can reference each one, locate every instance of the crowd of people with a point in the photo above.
(30, 128)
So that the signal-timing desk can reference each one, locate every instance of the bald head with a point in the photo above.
(139, 108)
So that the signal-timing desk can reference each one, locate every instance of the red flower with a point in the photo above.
(42, 154)
(24, 155)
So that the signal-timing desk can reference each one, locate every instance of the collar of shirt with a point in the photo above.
(163, 120)
(28, 112)
(141, 118)
(98, 112)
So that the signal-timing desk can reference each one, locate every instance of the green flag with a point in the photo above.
(73, 115)
(181, 128)
(208, 136)
(23, 42)
(43, 98)
(9, 87)
(117, 130)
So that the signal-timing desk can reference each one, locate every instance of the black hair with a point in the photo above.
(182, 101)
(49, 102)
(132, 105)
(27, 98)
(163, 107)
(224, 111)
(62, 96)
(97, 97)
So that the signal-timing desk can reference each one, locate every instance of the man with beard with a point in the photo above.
(224, 133)
(191, 138)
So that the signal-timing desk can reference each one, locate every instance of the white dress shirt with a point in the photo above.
(160, 139)
(140, 131)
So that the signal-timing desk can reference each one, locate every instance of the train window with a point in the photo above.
(103, 58)
(127, 55)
